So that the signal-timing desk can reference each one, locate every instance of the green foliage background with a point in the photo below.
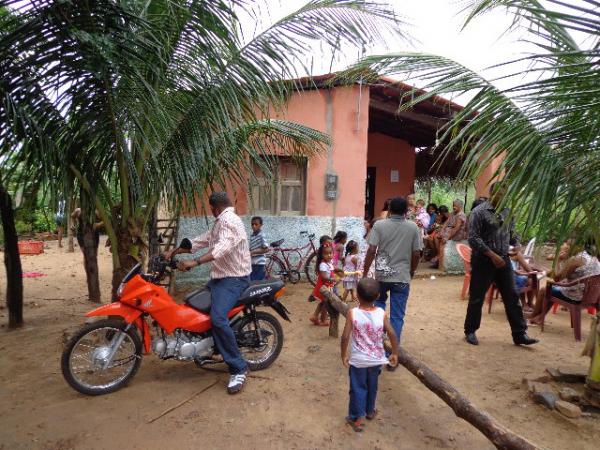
(443, 192)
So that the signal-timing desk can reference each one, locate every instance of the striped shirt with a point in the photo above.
(258, 241)
(229, 246)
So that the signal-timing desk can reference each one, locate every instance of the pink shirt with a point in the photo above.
(229, 246)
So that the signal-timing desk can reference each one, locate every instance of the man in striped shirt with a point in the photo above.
(229, 254)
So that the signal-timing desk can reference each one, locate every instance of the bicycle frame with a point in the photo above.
(282, 254)
(309, 247)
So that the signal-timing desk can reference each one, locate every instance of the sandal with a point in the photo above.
(323, 324)
(356, 425)
(372, 415)
(314, 321)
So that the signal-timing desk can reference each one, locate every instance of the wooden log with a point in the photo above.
(335, 306)
(334, 318)
(500, 436)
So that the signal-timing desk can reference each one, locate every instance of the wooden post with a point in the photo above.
(429, 190)
(335, 307)
(500, 436)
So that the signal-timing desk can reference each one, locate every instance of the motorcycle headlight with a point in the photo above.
(120, 290)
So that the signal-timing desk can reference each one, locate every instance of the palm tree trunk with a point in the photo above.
(592, 385)
(90, 262)
(12, 261)
(126, 261)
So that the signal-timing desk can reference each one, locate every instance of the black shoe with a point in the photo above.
(471, 338)
(390, 368)
(523, 339)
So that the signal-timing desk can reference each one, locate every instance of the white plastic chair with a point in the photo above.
(528, 253)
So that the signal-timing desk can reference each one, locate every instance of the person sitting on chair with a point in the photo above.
(580, 265)
(522, 269)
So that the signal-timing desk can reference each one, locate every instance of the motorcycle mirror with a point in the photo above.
(185, 244)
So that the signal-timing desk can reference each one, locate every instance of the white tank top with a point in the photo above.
(367, 338)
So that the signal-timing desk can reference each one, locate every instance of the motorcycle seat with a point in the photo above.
(200, 300)
(258, 290)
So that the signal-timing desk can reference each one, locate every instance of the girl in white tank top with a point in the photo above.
(363, 352)
(366, 343)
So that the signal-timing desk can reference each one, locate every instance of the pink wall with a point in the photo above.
(386, 154)
(347, 159)
(349, 156)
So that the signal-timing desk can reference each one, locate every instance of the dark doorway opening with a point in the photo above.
(370, 193)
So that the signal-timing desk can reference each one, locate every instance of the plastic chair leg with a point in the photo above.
(465, 288)
(576, 319)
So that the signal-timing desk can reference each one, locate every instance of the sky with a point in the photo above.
(435, 26)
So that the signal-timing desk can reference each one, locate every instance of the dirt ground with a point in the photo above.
(301, 400)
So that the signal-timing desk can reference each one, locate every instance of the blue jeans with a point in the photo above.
(225, 293)
(398, 298)
(558, 294)
(258, 272)
(363, 391)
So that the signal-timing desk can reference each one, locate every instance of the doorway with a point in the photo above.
(370, 193)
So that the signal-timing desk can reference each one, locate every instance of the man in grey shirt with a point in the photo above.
(395, 244)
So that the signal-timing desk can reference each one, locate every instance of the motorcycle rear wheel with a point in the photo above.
(262, 356)
(84, 356)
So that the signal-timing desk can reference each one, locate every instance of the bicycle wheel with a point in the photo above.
(310, 269)
(274, 269)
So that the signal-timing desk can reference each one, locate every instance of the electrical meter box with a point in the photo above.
(331, 186)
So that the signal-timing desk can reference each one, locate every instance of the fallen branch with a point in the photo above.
(500, 436)
(172, 408)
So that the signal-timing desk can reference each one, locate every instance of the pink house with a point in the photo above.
(376, 153)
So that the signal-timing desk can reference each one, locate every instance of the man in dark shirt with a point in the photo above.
(490, 235)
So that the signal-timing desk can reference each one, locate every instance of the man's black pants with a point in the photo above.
(483, 273)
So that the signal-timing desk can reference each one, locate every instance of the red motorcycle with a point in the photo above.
(104, 355)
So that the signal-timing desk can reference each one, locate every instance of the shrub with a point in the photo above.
(23, 228)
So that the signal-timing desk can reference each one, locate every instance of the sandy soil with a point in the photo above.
(303, 401)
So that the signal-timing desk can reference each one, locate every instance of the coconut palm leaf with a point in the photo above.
(545, 127)
(155, 96)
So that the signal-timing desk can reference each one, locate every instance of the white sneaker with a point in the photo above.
(236, 382)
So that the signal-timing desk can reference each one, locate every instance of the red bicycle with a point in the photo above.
(286, 263)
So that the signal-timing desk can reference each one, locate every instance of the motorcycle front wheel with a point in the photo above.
(86, 362)
(260, 346)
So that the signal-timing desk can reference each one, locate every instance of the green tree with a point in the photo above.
(156, 98)
(545, 126)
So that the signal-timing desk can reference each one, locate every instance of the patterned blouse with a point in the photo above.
(590, 268)
(461, 234)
